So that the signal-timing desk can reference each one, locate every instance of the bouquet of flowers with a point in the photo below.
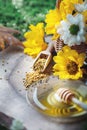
(67, 24)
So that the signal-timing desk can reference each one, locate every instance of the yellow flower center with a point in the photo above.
(72, 68)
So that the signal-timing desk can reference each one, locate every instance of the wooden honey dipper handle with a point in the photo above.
(66, 95)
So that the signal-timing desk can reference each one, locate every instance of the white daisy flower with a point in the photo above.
(81, 7)
(72, 31)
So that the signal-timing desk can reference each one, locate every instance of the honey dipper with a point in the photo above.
(66, 95)
(46, 54)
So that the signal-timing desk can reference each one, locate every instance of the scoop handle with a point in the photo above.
(50, 47)
(79, 103)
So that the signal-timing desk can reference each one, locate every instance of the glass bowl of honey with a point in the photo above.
(40, 96)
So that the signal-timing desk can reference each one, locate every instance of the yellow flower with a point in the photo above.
(66, 7)
(36, 31)
(75, 1)
(68, 64)
(34, 43)
(55, 36)
(52, 20)
(54, 17)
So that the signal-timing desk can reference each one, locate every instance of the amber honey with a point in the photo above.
(60, 109)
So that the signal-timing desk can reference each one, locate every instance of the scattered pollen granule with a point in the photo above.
(33, 77)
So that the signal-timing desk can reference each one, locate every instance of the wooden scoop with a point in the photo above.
(45, 55)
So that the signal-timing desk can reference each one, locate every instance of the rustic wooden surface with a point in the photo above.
(13, 67)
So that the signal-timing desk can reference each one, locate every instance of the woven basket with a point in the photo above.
(58, 3)
(82, 48)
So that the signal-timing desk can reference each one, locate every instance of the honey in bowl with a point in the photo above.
(45, 94)
(59, 109)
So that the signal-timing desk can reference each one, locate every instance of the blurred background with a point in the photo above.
(19, 14)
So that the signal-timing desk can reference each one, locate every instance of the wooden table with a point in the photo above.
(13, 67)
